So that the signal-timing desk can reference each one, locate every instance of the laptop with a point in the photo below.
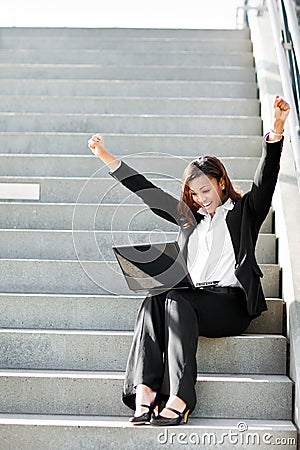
(155, 267)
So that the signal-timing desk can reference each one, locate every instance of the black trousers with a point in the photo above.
(163, 350)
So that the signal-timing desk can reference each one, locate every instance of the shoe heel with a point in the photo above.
(186, 416)
(155, 411)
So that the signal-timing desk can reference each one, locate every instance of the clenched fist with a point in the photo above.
(96, 144)
(281, 110)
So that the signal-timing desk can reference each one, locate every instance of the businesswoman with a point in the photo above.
(218, 232)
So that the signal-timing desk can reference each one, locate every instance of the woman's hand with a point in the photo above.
(96, 144)
(281, 110)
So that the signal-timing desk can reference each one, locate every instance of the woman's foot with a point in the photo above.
(174, 413)
(144, 396)
(175, 403)
(143, 418)
(144, 400)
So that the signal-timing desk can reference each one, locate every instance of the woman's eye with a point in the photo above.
(206, 191)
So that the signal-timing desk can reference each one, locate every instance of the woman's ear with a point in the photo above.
(222, 183)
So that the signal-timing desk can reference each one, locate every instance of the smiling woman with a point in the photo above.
(207, 192)
(205, 183)
(218, 234)
(118, 13)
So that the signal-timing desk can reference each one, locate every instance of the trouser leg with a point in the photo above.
(188, 315)
(164, 346)
(145, 363)
(181, 340)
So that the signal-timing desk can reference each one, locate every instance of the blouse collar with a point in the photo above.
(228, 206)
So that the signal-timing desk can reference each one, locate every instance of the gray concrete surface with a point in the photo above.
(294, 336)
(96, 190)
(52, 276)
(115, 433)
(189, 58)
(96, 245)
(130, 88)
(131, 123)
(153, 72)
(152, 164)
(136, 44)
(126, 144)
(100, 312)
(138, 105)
(68, 216)
(89, 393)
(71, 33)
(108, 351)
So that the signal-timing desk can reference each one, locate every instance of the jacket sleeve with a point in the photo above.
(159, 201)
(265, 179)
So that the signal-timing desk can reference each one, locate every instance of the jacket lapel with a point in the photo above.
(184, 234)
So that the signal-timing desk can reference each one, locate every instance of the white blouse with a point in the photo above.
(210, 253)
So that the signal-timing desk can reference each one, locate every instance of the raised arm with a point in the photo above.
(159, 201)
(266, 175)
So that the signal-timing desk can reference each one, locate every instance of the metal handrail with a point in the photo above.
(291, 44)
(293, 26)
(245, 8)
(286, 37)
(287, 44)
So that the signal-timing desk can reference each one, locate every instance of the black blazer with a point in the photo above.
(244, 220)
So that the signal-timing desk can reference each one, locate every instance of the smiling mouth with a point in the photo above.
(206, 205)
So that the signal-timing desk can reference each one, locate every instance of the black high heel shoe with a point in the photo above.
(166, 421)
(143, 418)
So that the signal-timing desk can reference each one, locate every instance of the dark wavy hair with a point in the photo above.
(212, 167)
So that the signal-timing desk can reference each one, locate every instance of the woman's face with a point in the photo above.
(207, 192)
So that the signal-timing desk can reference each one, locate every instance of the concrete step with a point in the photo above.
(129, 88)
(271, 321)
(70, 216)
(92, 190)
(101, 312)
(117, 72)
(119, 57)
(131, 105)
(84, 286)
(124, 144)
(92, 277)
(108, 351)
(129, 44)
(95, 245)
(141, 123)
(116, 433)
(160, 165)
(88, 393)
(71, 33)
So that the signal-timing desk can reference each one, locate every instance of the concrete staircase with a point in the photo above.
(160, 97)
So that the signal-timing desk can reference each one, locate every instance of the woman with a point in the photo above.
(218, 233)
